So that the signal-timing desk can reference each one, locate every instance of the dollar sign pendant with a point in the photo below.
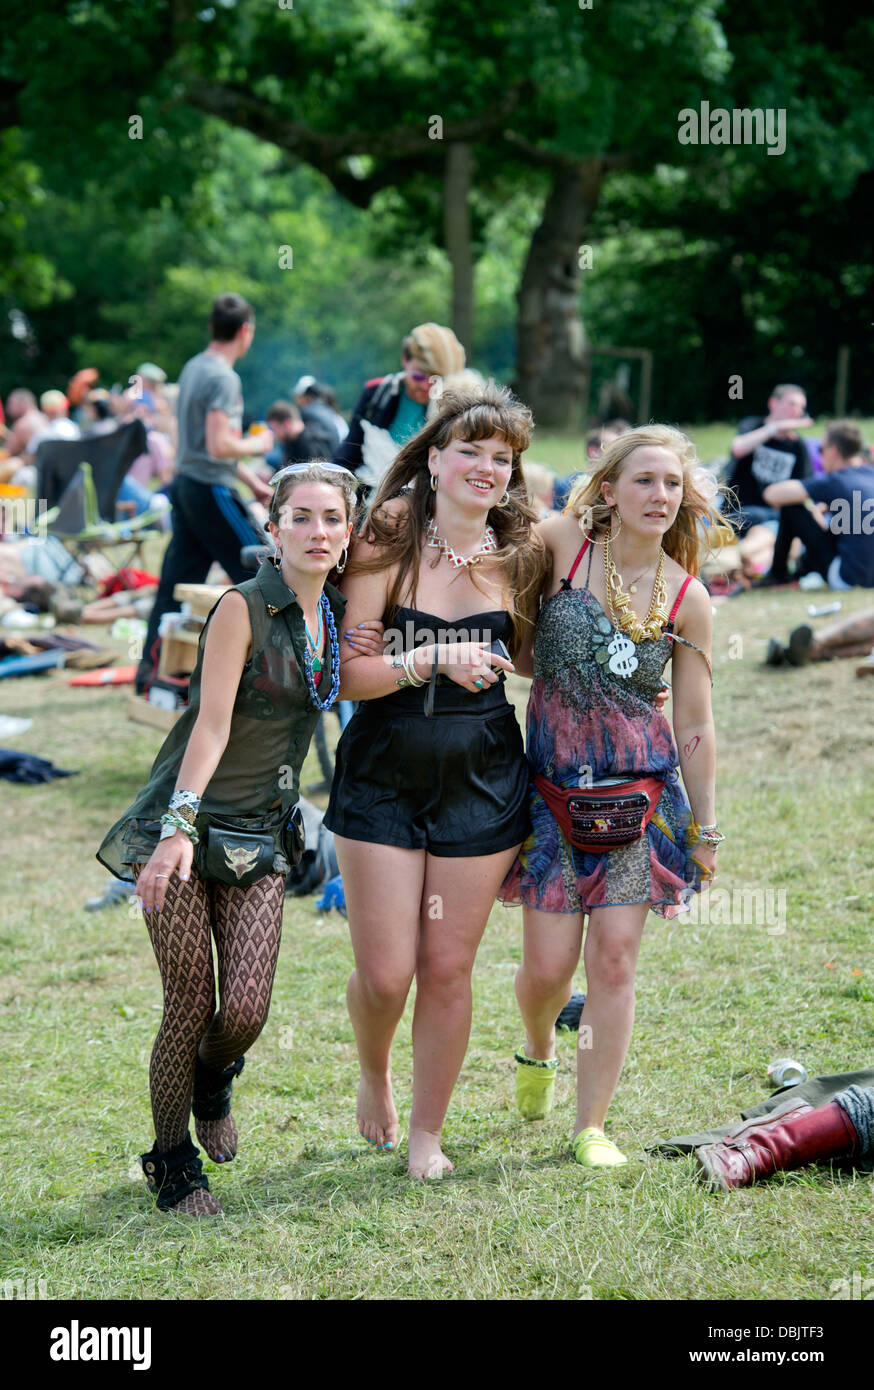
(623, 661)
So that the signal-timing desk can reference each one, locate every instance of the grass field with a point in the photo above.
(711, 441)
(310, 1212)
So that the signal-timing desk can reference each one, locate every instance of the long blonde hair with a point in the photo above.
(684, 538)
(465, 414)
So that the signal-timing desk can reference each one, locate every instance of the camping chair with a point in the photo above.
(78, 482)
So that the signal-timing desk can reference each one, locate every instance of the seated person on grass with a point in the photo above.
(765, 450)
(841, 546)
(852, 636)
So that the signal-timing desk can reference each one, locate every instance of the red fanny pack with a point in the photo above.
(603, 817)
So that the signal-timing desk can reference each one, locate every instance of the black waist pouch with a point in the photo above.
(240, 849)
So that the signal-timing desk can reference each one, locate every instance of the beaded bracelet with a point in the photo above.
(710, 835)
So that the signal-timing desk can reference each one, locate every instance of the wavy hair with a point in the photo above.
(697, 522)
(467, 414)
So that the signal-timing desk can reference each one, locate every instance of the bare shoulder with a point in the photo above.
(394, 510)
(695, 608)
(230, 629)
(231, 610)
(555, 526)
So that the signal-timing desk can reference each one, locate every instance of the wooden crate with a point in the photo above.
(141, 712)
(202, 598)
(178, 653)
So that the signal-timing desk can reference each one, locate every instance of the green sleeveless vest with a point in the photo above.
(272, 723)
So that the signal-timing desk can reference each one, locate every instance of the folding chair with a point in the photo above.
(78, 482)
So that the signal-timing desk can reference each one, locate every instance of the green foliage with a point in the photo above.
(722, 260)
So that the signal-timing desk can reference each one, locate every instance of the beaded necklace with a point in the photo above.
(315, 660)
(489, 543)
(325, 608)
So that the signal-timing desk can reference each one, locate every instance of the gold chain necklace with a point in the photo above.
(619, 601)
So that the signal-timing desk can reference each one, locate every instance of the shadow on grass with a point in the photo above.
(350, 1177)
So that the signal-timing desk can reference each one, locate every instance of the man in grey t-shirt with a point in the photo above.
(210, 521)
(207, 383)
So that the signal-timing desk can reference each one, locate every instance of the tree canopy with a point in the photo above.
(326, 129)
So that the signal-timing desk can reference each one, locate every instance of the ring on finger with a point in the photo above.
(478, 684)
(162, 875)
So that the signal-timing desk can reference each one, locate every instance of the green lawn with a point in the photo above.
(309, 1210)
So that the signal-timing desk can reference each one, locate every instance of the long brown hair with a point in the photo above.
(466, 414)
(684, 538)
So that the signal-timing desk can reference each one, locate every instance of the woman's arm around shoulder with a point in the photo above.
(365, 677)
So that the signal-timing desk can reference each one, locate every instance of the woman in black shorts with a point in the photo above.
(429, 801)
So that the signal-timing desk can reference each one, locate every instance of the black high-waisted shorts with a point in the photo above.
(455, 784)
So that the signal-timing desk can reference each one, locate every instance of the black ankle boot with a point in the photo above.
(776, 655)
(800, 643)
(174, 1174)
(212, 1089)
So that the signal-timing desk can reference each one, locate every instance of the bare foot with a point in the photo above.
(427, 1159)
(218, 1137)
(377, 1117)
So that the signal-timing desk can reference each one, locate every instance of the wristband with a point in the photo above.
(171, 822)
(185, 804)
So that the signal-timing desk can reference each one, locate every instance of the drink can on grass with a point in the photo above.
(786, 1072)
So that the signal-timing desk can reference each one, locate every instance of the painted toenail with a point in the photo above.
(389, 1145)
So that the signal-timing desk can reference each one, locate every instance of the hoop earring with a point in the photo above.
(433, 482)
(505, 500)
(338, 567)
(614, 534)
(276, 561)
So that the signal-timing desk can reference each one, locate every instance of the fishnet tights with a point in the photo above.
(246, 924)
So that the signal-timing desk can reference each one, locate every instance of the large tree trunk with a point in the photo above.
(456, 231)
(552, 358)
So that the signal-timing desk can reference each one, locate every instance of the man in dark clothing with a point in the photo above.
(210, 521)
(317, 398)
(766, 450)
(302, 434)
(842, 547)
(398, 403)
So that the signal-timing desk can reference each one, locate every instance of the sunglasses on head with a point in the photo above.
(302, 468)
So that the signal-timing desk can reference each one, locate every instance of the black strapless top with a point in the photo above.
(413, 627)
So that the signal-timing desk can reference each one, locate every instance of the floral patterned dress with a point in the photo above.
(591, 715)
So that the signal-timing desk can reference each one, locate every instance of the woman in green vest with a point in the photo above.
(211, 836)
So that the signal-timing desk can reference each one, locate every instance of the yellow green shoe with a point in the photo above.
(535, 1086)
(593, 1149)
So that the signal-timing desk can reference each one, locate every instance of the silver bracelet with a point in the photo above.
(398, 665)
(412, 674)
